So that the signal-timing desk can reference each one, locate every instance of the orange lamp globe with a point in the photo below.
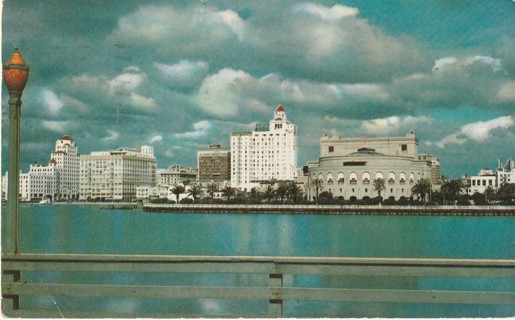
(16, 73)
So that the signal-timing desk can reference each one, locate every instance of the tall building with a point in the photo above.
(267, 153)
(59, 180)
(435, 168)
(115, 175)
(214, 163)
(347, 167)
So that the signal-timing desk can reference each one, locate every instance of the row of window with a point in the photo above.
(365, 178)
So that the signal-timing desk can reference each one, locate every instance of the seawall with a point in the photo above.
(334, 209)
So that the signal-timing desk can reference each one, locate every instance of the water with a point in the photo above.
(86, 229)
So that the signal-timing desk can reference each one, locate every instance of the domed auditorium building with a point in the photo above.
(349, 166)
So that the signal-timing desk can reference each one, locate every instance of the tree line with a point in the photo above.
(451, 192)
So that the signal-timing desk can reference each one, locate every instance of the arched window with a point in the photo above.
(391, 178)
(366, 178)
(411, 178)
(379, 175)
(329, 178)
(341, 178)
(353, 178)
(402, 178)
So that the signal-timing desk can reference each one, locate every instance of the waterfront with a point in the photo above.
(85, 229)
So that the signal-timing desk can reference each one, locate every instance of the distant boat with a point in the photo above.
(45, 201)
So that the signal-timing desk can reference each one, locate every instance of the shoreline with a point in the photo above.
(333, 209)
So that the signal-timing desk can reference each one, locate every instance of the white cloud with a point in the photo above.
(507, 91)
(477, 131)
(494, 63)
(220, 94)
(131, 69)
(56, 126)
(453, 138)
(89, 81)
(51, 100)
(126, 82)
(183, 70)
(201, 129)
(480, 131)
(141, 102)
(73, 102)
(232, 20)
(113, 135)
(156, 138)
(443, 62)
(336, 12)
(155, 24)
(185, 73)
(393, 124)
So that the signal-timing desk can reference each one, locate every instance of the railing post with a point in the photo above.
(10, 302)
(275, 303)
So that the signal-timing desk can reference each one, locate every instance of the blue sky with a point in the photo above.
(180, 75)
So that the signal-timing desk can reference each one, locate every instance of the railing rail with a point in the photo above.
(14, 287)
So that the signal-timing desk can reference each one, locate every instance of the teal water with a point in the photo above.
(86, 229)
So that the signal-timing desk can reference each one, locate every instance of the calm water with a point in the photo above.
(85, 229)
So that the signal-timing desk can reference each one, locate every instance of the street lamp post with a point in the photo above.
(16, 74)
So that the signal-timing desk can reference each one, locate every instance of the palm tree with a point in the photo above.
(195, 191)
(318, 185)
(452, 189)
(421, 188)
(269, 193)
(281, 191)
(211, 189)
(379, 186)
(228, 192)
(294, 191)
(178, 190)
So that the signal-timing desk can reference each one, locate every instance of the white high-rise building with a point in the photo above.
(59, 180)
(115, 175)
(264, 154)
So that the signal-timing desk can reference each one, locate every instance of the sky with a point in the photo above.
(180, 75)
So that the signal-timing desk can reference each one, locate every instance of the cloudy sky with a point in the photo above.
(180, 75)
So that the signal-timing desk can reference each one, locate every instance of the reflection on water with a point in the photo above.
(85, 229)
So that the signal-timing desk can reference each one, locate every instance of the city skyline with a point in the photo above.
(185, 75)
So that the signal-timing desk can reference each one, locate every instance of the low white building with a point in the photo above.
(347, 167)
(487, 178)
(151, 192)
(115, 175)
(484, 180)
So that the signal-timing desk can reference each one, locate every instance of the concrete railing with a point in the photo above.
(15, 288)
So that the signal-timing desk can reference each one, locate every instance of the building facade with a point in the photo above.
(115, 175)
(485, 179)
(488, 179)
(347, 167)
(506, 172)
(214, 163)
(265, 154)
(57, 181)
(176, 175)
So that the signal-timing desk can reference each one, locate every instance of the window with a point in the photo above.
(404, 147)
(331, 148)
